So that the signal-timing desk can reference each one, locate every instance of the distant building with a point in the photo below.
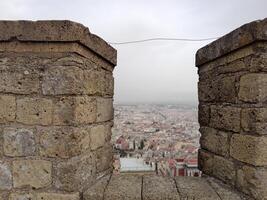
(135, 165)
(191, 167)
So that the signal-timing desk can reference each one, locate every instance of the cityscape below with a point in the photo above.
(160, 139)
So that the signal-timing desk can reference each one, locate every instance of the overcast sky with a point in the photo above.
(152, 72)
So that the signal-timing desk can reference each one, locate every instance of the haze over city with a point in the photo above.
(156, 71)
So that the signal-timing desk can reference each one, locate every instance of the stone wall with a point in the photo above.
(56, 113)
(232, 93)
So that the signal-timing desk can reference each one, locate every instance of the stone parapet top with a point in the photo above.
(242, 36)
(56, 31)
(148, 187)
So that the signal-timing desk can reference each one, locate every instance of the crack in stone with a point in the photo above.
(103, 197)
(178, 191)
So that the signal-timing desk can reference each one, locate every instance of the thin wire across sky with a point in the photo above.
(163, 39)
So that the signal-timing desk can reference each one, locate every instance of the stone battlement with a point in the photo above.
(232, 92)
(56, 114)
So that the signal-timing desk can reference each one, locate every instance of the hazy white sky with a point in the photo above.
(159, 71)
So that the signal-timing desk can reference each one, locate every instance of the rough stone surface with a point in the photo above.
(5, 176)
(97, 190)
(195, 188)
(214, 141)
(56, 109)
(244, 35)
(63, 80)
(19, 142)
(34, 111)
(57, 196)
(253, 88)
(152, 187)
(254, 120)
(220, 90)
(34, 173)
(7, 109)
(232, 92)
(74, 80)
(21, 196)
(19, 82)
(76, 174)
(205, 161)
(124, 187)
(104, 109)
(56, 31)
(203, 115)
(85, 111)
(44, 196)
(99, 135)
(249, 149)
(158, 188)
(225, 117)
(63, 142)
(75, 110)
(224, 169)
(104, 158)
(253, 181)
(225, 192)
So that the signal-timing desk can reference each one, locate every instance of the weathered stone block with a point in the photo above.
(104, 158)
(225, 117)
(215, 141)
(124, 187)
(7, 109)
(76, 173)
(85, 111)
(195, 188)
(158, 188)
(74, 80)
(57, 196)
(98, 82)
(104, 109)
(34, 111)
(21, 196)
(33, 173)
(249, 149)
(63, 142)
(63, 80)
(227, 91)
(44, 196)
(75, 110)
(225, 192)
(97, 190)
(3, 195)
(99, 135)
(205, 161)
(64, 111)
(18, 142)
(222, 89)
(203, 114)
(254, 120)
(24, 82)
(206, 91)
(224, 169)
(252, 181)
(5, 176)
(253, 88)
